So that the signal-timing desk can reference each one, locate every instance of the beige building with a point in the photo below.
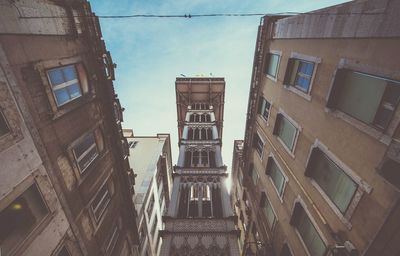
(151, 160)
(65, 180)
(321, 161)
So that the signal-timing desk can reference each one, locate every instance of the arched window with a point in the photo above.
(204, 134)
(197, 118)
(208, 118)
(196, 135)
(190, 134)
(203, 118)
(209, 134)
(213, 164)
(192, 117)
(204, 158)
(206, 201)
(193, 201)
(195, 158)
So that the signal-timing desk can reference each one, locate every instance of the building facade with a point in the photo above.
(322, 131)
(65, 180)
(199, 220)
(150, 158)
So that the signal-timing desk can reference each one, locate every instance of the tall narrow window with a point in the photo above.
(272, 65)
(192, 118)
(299, 74)
(19, 218)
(4, 129)
(204, 158)
(204, 134)
(85, 152)
(267, 210)
(263, 108)
(112, 240)
(370, 99)
(193, 201)
(286, 131)
(195, 158)
(196, 134)
(100, 202)
(188, 158)
(208, 118)
(206, 201)
(336, 184)
(190, 134)
(65, 84)
(209, 134)
(258, 144)
(276, 175)
(308, 233)
(213, 163)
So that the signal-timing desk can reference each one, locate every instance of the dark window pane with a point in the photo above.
(20, 218)
(3, 125)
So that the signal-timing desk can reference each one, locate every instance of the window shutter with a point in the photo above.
(289, 70)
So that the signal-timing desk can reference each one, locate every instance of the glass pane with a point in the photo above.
(62, 96)
(87, 159)
(100, 202)
(3, 125)
(273, 65)
(74, 91)
(84, 145)
(287, 132)
(56, 76)
(339, 187)
(20, 218)
(277, 177)
(310, 236)
(69, 73)
(360, 96)
(269, 213)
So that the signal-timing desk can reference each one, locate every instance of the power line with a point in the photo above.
(189, 16)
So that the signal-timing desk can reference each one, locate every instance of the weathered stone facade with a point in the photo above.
(65, 181)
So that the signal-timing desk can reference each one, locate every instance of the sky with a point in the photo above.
(151, 52)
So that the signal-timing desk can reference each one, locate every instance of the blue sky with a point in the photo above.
(150, 53)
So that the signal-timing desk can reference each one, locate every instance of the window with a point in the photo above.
(286, 131)
(150, 206)
(276, 175)
(4, 129)
(335, 183)
(253, 174)
(299, 74)
(307, 231)
(112, 240)
(63, 252)
(193, 202)
(258, 144)
(65, 83)
(263, 108)
(100, 202)
(267, 210)
(272, 65)
(19, 218)
(85, 152)
(368, 98)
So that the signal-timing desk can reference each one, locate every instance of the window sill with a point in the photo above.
(72, 105)
(371, 131)
(298, 92)
(275, 79)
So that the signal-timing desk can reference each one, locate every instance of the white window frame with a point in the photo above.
(300, 201)
(272, 228)
(363, 186)
(383, 136)
(308, 58)
(296, 136)
(65, 84)
(280, 195)
(77, 159)
(274, 52)
(260, 155)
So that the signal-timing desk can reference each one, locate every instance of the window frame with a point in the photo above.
(382, 136)
(3, 117)
(363, 186)
(299, 201)
(261, 111)
(280, 194)
(112, 240)
(86, 152)
(276, 53)
(260, 154)
(65, 84)
(266, 198)
(99, 219)
(282, 114)
(289, 72)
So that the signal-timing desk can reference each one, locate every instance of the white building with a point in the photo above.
(150, 158)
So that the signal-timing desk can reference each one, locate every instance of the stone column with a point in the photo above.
(173, 204)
